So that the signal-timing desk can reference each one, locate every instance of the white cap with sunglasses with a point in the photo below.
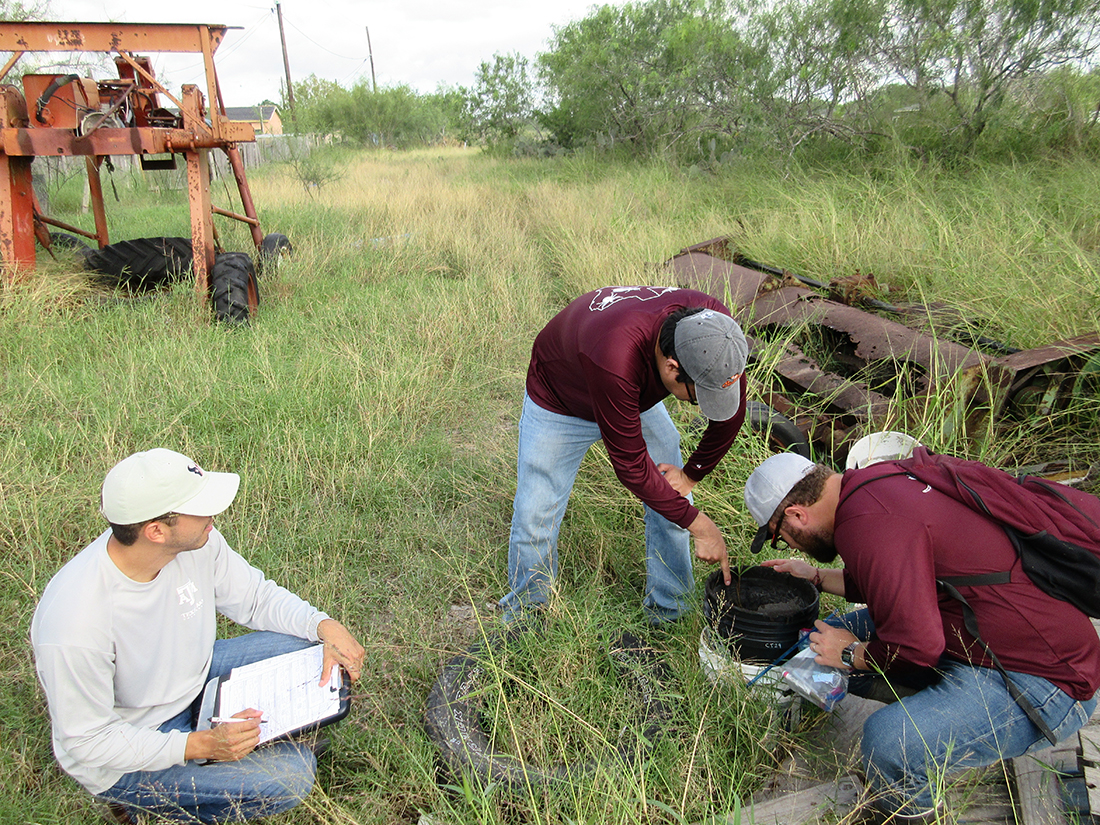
(157, 482)
(768, 485)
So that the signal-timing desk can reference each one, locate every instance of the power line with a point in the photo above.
(318, 45)
(197, 70)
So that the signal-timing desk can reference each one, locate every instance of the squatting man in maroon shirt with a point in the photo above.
(600, 369)
(896, 536)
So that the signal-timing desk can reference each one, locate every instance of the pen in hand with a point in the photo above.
(221, 720)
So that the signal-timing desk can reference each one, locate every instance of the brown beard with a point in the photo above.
(815, 544)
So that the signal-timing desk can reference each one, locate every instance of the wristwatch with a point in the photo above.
(848, 652)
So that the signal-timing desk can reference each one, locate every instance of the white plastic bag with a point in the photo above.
(824, 686)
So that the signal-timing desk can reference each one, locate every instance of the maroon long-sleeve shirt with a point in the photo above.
(896, 535)
(596, 360)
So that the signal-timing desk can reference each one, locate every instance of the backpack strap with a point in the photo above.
(970, 621)
(1000, 577)
(1053, 490)
(866, 481)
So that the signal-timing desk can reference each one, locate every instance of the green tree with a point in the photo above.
(625, 74)
(501, 101)
(313, 97)
(393, 116)
(817, 69)
(969, 53)
(692, 74)
(450, 101)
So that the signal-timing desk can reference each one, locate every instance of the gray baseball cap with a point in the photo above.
(768, 485)
(712, 349)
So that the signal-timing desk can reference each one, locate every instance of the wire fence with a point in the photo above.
(51, 172)
(267, 149)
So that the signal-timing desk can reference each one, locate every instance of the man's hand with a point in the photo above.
(677, 478)
(796, 567)
(826, 579)
(341, 648)
(828, 643)
(709, 544)
(227, 741)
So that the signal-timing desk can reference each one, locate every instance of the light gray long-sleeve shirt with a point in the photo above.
(117, 658)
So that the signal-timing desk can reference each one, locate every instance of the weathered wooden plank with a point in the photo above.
(1037, 788)
(830, 800)
(1089, 736)
(1092, 782)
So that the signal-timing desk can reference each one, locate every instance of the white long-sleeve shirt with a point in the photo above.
(118, 658)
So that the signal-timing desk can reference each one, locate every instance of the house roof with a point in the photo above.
(250, 113)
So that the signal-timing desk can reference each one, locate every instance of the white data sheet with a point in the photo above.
(285, 689)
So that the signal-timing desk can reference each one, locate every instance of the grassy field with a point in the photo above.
(371, 408)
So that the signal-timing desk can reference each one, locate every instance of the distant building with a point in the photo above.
(265, 120)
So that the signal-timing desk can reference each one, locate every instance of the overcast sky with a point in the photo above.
(421, 43)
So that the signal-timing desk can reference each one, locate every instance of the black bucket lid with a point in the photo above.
(760, 593)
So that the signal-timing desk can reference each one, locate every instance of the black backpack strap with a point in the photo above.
(1053, 490)
(1000, 577)
(970, 621)
(866, 481)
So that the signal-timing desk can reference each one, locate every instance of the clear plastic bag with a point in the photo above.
(824, 686)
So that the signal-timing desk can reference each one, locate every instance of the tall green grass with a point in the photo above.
(371, 408)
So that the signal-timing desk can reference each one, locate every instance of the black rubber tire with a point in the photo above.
(64, 242)
(142, 264)
(454, 720)
(272, 250)
(780, 432)
(233, 289)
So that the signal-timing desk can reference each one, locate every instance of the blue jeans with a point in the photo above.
(967, 719)
(551, 447)
(271, 779)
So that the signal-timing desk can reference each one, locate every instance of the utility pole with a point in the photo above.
(286, 66)
(370, 51)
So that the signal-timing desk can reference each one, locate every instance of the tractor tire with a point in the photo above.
(455, 722)
(233, 289)
(143, 264)
(63, 240)
(780, 432)
(273, 249)
(65, 243)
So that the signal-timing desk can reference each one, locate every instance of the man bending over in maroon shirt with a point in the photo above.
(600, 370)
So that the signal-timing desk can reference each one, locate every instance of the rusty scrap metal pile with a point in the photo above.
(866, 371)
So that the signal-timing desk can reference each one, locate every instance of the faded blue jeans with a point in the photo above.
(967, 719)
(271, 779)
(551, 447)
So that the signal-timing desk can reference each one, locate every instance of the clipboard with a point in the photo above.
(285, 688)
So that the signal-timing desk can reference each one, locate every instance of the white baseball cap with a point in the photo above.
(768, 486)
(156, 482)
(884, 446)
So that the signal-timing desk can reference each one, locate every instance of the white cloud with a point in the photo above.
(421, 43)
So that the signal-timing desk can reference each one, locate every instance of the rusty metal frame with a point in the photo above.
(981, 388)
(203, 129)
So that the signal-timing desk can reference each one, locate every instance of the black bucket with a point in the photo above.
(760, 613)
